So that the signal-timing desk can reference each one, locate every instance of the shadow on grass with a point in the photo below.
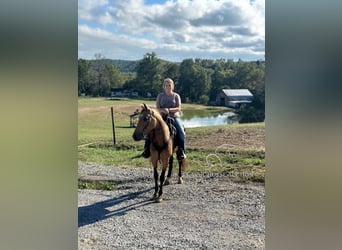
(104, 209)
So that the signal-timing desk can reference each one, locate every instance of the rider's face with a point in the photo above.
(168, 86)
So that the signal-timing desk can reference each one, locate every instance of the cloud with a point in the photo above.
(93, 10)
(204, 28)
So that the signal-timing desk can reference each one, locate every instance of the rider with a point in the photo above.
(169, 103)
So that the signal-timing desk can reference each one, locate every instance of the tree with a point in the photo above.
(149, 74)
(194, 80)
(221, 78)
(255, 82)
(99, 69)
(186, 79)
(201, 82)
(85, 77)
(171, 70)
(113, 75)
(106, 76)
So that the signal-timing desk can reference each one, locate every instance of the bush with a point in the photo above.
(248, 114)
(204, 99)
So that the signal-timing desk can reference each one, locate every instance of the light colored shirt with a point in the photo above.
(169, 101)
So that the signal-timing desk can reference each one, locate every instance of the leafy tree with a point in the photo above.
(85, 77)
(99, 74)
(203, 99)
(149, 74)
(255, 112)
(221, 79)
(201, 82)
(172, 70)
(106, 76)
(114, 76)
(186, 79)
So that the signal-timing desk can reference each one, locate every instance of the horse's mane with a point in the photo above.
(160, 119)
(157, 115)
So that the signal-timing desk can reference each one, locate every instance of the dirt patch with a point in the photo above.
(243, 138)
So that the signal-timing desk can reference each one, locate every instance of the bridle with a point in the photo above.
(146, 126)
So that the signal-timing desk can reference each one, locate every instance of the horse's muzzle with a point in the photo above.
(136, 137)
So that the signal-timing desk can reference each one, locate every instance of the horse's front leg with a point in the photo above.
(154, 161)
(164, 162)
(156, 176)
(162, 178)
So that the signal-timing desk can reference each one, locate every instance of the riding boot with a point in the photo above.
(146, 152)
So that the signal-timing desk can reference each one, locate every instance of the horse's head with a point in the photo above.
(146, 123)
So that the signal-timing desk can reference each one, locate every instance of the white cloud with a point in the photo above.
(90, 10)
(203, 28)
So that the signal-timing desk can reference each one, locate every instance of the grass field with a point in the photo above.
(95, 139)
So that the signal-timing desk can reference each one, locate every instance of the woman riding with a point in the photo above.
(169, 103)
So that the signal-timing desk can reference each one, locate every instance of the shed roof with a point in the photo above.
(237, 92)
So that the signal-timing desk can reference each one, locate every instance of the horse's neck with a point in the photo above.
(161, 132)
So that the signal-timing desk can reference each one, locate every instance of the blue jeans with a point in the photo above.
(181, 133)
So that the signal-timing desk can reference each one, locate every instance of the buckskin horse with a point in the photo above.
(162, 146)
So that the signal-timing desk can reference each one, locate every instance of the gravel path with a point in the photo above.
(206, 212)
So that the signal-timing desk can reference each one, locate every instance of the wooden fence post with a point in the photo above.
(113, 126)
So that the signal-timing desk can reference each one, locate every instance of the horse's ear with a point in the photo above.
(145, 106)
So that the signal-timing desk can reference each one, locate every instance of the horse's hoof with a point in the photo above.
(155, 196)
(159, 199)
(167, 181)
(180, 180)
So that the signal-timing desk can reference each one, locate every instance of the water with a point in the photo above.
(192, 121)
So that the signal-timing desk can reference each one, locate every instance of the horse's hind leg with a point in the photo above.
(180, 165)
(169, 173)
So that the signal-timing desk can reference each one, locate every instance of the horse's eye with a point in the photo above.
(146, 118)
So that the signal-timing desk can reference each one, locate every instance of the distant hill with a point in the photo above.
(124, 65)
(121, 65)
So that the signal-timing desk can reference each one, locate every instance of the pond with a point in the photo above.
(201, 118)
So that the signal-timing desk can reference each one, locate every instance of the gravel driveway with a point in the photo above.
(206, 212)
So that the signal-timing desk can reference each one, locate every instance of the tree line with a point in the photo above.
(196, 80)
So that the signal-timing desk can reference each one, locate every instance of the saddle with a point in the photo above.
(170, 121)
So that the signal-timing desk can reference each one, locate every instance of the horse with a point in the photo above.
(162, 146)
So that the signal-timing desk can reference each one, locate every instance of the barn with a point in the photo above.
(233, 97)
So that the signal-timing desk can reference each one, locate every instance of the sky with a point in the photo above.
(174, 29)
